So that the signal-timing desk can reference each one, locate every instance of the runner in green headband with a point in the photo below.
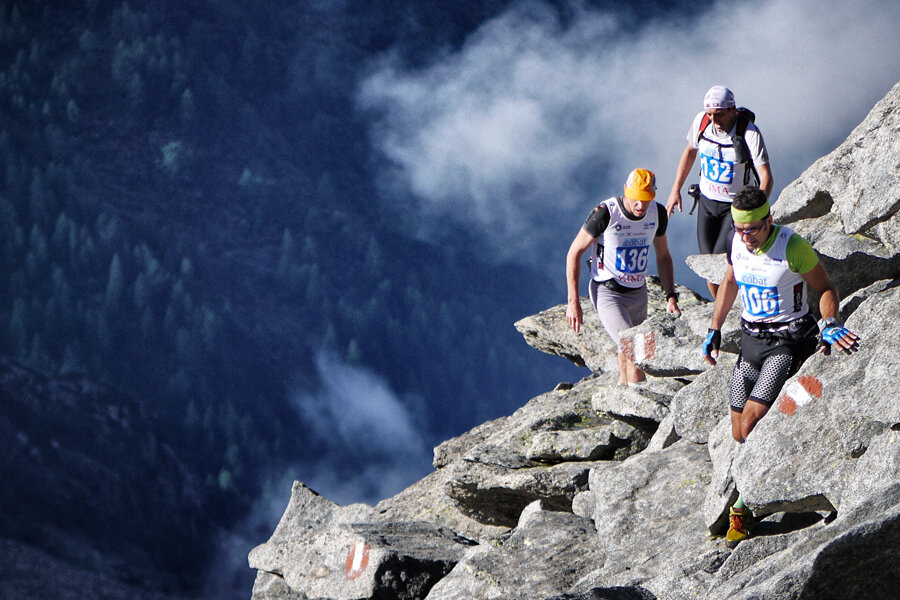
(749, 216)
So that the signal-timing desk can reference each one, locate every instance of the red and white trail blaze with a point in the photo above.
(639, 347)
(799, 392)
(357, 560)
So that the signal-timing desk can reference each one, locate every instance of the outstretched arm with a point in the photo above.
(666, 268)
(725, 297)
(829, 303)
(684, 167)
(582, 242)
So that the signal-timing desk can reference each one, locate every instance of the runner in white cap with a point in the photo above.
(619, 233)
(732, 156)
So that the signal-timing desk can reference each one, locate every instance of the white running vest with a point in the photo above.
(720, 177)
(625, 250)
(770, 291)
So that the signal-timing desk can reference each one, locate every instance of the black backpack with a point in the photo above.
(742, 153)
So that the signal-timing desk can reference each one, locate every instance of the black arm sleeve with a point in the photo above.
(597, 221)
(662, 220)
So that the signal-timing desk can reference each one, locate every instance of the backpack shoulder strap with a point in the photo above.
(745, 117)
(704, 123)
(742, 121)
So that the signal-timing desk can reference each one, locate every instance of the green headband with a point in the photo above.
(749, 216)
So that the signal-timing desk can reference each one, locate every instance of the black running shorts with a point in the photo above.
(713, 226)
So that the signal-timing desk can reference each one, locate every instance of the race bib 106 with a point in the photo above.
(759, 301)
(714, 169)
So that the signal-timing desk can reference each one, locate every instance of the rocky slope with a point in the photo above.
(594, 491)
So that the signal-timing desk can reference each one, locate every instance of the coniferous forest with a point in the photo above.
(188, 215)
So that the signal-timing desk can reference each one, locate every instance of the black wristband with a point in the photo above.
(671, 295)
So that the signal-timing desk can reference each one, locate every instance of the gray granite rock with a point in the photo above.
(665, 434)
(543, 451)
(545, 554)
(496, 496)
(400, 560)
(592, 347)
(697, 409)
(804, 452)
(670, 346)
(645, 512)
(710, 267)
(847, 204)
(859, 181)
(855, 556)
(320, 549)
(722, 492)
(628, 401)
(613, 593)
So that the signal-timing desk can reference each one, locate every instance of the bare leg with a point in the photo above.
(753, 412)
(713, 288)
(736, 426)
(628, 371)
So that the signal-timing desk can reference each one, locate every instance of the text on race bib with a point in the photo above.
(714, 169)
(632, 259)
(760, 301)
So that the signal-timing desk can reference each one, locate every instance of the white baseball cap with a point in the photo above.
(718, 96)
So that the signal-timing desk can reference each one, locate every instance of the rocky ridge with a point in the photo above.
(593, 491)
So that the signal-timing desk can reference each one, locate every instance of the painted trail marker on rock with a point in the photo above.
(639, 347)
(357, 560)
(799, 393)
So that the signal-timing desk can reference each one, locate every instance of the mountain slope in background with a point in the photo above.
(188, 215)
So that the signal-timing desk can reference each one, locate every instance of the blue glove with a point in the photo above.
(831, 334)
(832, 331)
(713, 342)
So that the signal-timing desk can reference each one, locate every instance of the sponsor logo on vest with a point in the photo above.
(627, 278)
(753, 279)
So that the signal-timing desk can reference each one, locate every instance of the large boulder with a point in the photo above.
(710, 267)
(853, 556)
(558, 548)
(645, 512)
(847, 204)
(858, 182)
(647, 402)
(698, 408)
(592, 347)
(670, 345)
(543, 451)
(322, 550)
